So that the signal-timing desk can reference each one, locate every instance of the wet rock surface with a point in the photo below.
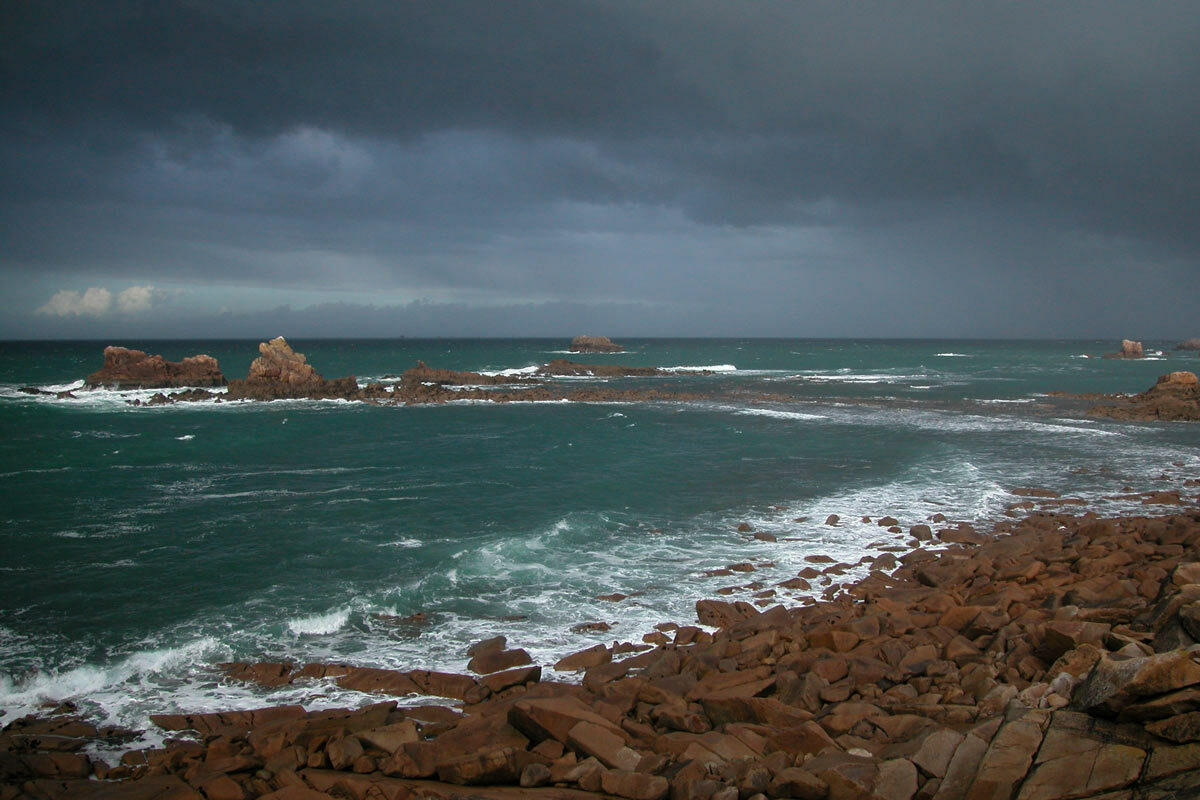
(281, 373)
(1174, 397)
(1052, 657)
(133, 369)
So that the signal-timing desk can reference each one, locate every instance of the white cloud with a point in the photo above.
(135, 299)
(92, 303)
(96, 301)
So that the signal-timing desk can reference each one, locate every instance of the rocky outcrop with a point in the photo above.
(1175, 397)
(281, 373)
(1054, 659)
(1129, 349)
(423, 373)
(1189, 344)
(595, 344)
(132, 369)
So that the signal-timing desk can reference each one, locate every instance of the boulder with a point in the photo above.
(489, 661)
(595, 344)
(584, 659)
(634, 785)
(1113, 684)
(134, 369)
(798, 783)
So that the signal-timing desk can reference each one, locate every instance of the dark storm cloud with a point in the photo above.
(703, 152)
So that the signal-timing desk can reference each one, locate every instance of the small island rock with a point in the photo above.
(133, 369)
(281, 373)
(595, 344)
(1129, 349)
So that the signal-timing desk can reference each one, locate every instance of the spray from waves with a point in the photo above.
(953, 355)
(187, 437)
(404, 543)
(102, 399)
(513, 372)
(320, 624)
(114, 686)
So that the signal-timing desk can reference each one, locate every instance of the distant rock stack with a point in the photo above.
(1189, 344)
(281, 373)
(595, 344)
(132, 369)
(1129, 349)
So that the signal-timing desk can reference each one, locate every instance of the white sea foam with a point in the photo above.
(187, 437)
(103, 435)
(769, 412)
(32, 471)
(573, 353)
(318, 624)
(953, 355)
(515, 371)
(842, 376)
(106, 399)
(63, 387)
(702, 368)
(404, 543)
(112, 686)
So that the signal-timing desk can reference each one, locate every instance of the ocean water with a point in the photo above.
(141, 546)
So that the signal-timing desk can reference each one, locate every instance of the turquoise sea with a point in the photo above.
(140, 546)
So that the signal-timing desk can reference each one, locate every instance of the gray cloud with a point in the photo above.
(755, 157)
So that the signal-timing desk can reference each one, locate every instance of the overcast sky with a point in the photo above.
(624, 168)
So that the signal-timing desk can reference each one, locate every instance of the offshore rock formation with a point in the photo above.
(1189, 344)
(595, 344)
(1129, 349)
(1175, 397)
(1054, 659)
(281, 373)
(132, 369)
(423, 373)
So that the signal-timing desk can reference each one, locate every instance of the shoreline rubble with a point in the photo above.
(1055, 657)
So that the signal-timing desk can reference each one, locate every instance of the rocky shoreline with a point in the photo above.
(1175, 397)
(1051, 657)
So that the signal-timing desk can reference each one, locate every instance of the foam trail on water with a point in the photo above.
(702, 368)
